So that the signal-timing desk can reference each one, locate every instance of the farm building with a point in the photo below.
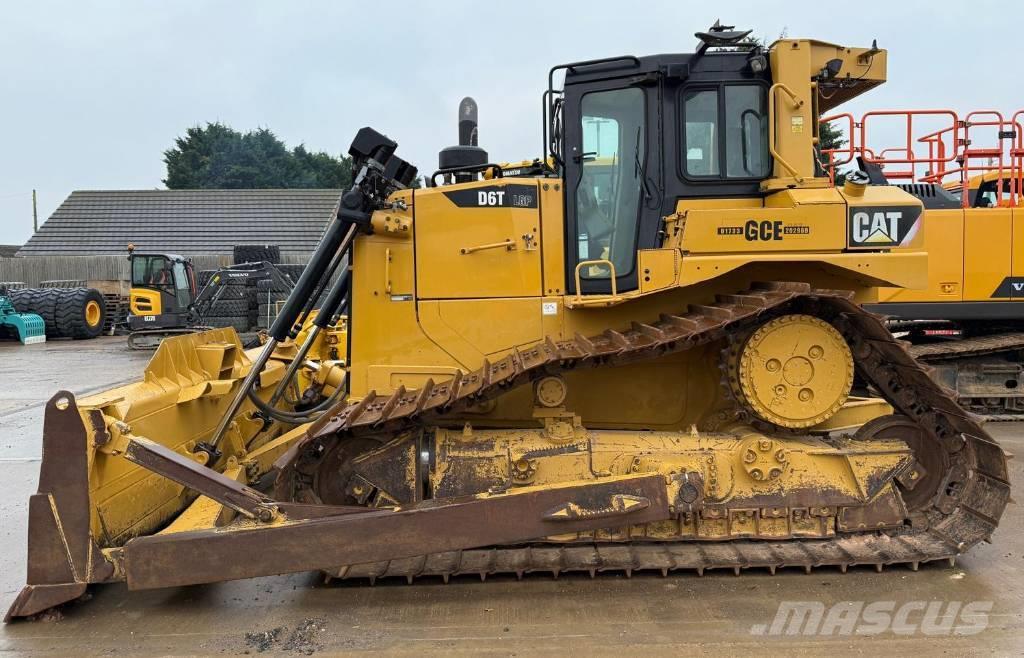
(86, 238)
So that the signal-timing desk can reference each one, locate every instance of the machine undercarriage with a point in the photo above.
(894, 481)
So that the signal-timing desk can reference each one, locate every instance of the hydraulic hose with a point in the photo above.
(311, 302)
(295, 418)
(336, 299)
(337, 238)
(293, 367)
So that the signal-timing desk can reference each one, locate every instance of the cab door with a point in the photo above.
(478, 240)
(610, 169)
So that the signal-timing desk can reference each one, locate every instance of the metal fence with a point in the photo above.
(33, 270)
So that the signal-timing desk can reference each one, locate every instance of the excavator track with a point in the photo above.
(968, 347)
(965, 510)
(961, 350)
(149, 339)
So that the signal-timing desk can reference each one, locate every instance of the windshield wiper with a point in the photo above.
(639, 169)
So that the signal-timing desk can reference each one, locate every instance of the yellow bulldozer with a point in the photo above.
(644, 350)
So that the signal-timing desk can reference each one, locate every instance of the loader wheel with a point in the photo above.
(932, 458)
(793, 371)
(41, 301)
(79, 313)
(93, 314)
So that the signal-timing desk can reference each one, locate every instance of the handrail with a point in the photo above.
(911, 158)
(771, 126)
(833, 163)
(997, 120)
(951, 154)
(508, 244)
(1017, 155)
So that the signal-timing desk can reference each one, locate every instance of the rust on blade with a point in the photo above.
(187, 472)
(205, 556)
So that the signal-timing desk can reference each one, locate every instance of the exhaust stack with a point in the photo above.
(462, 163)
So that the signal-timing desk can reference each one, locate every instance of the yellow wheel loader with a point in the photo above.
(649, 366)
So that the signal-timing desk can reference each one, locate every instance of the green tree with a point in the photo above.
(831, 137)
(216, 156)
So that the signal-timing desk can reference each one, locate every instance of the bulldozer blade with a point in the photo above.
(517, 516)
(62, 557)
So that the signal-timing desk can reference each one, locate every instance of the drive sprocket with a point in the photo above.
(793, 371)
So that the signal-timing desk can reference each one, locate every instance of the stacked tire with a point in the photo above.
(203, 277)
(256, 253)
(268, 293)
(293, 272)
(231, 309)
(77, 313)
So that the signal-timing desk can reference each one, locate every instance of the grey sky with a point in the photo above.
(92, 93)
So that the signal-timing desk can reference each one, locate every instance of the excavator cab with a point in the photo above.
(163, 289)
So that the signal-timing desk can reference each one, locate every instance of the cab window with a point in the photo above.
(701, 133)
(182, 285)
(152, 272)
(609, 192)
(725, 132)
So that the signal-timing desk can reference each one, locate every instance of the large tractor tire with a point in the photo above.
(80, 313)
(67, 312)
(203, 277)
(293, 272)
(263, 286)
(41, 301)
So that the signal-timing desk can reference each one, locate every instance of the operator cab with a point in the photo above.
(163, 287)
(639, 133)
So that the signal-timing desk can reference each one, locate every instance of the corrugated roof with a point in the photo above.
(189, 222)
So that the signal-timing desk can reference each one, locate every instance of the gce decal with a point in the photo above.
(765, 230)
(873, 227)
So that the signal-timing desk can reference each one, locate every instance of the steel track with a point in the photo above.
(965, 510)
(968, 347)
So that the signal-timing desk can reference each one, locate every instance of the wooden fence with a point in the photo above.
(108, 273)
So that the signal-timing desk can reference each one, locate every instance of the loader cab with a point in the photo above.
(640, 133)
(163, 286)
